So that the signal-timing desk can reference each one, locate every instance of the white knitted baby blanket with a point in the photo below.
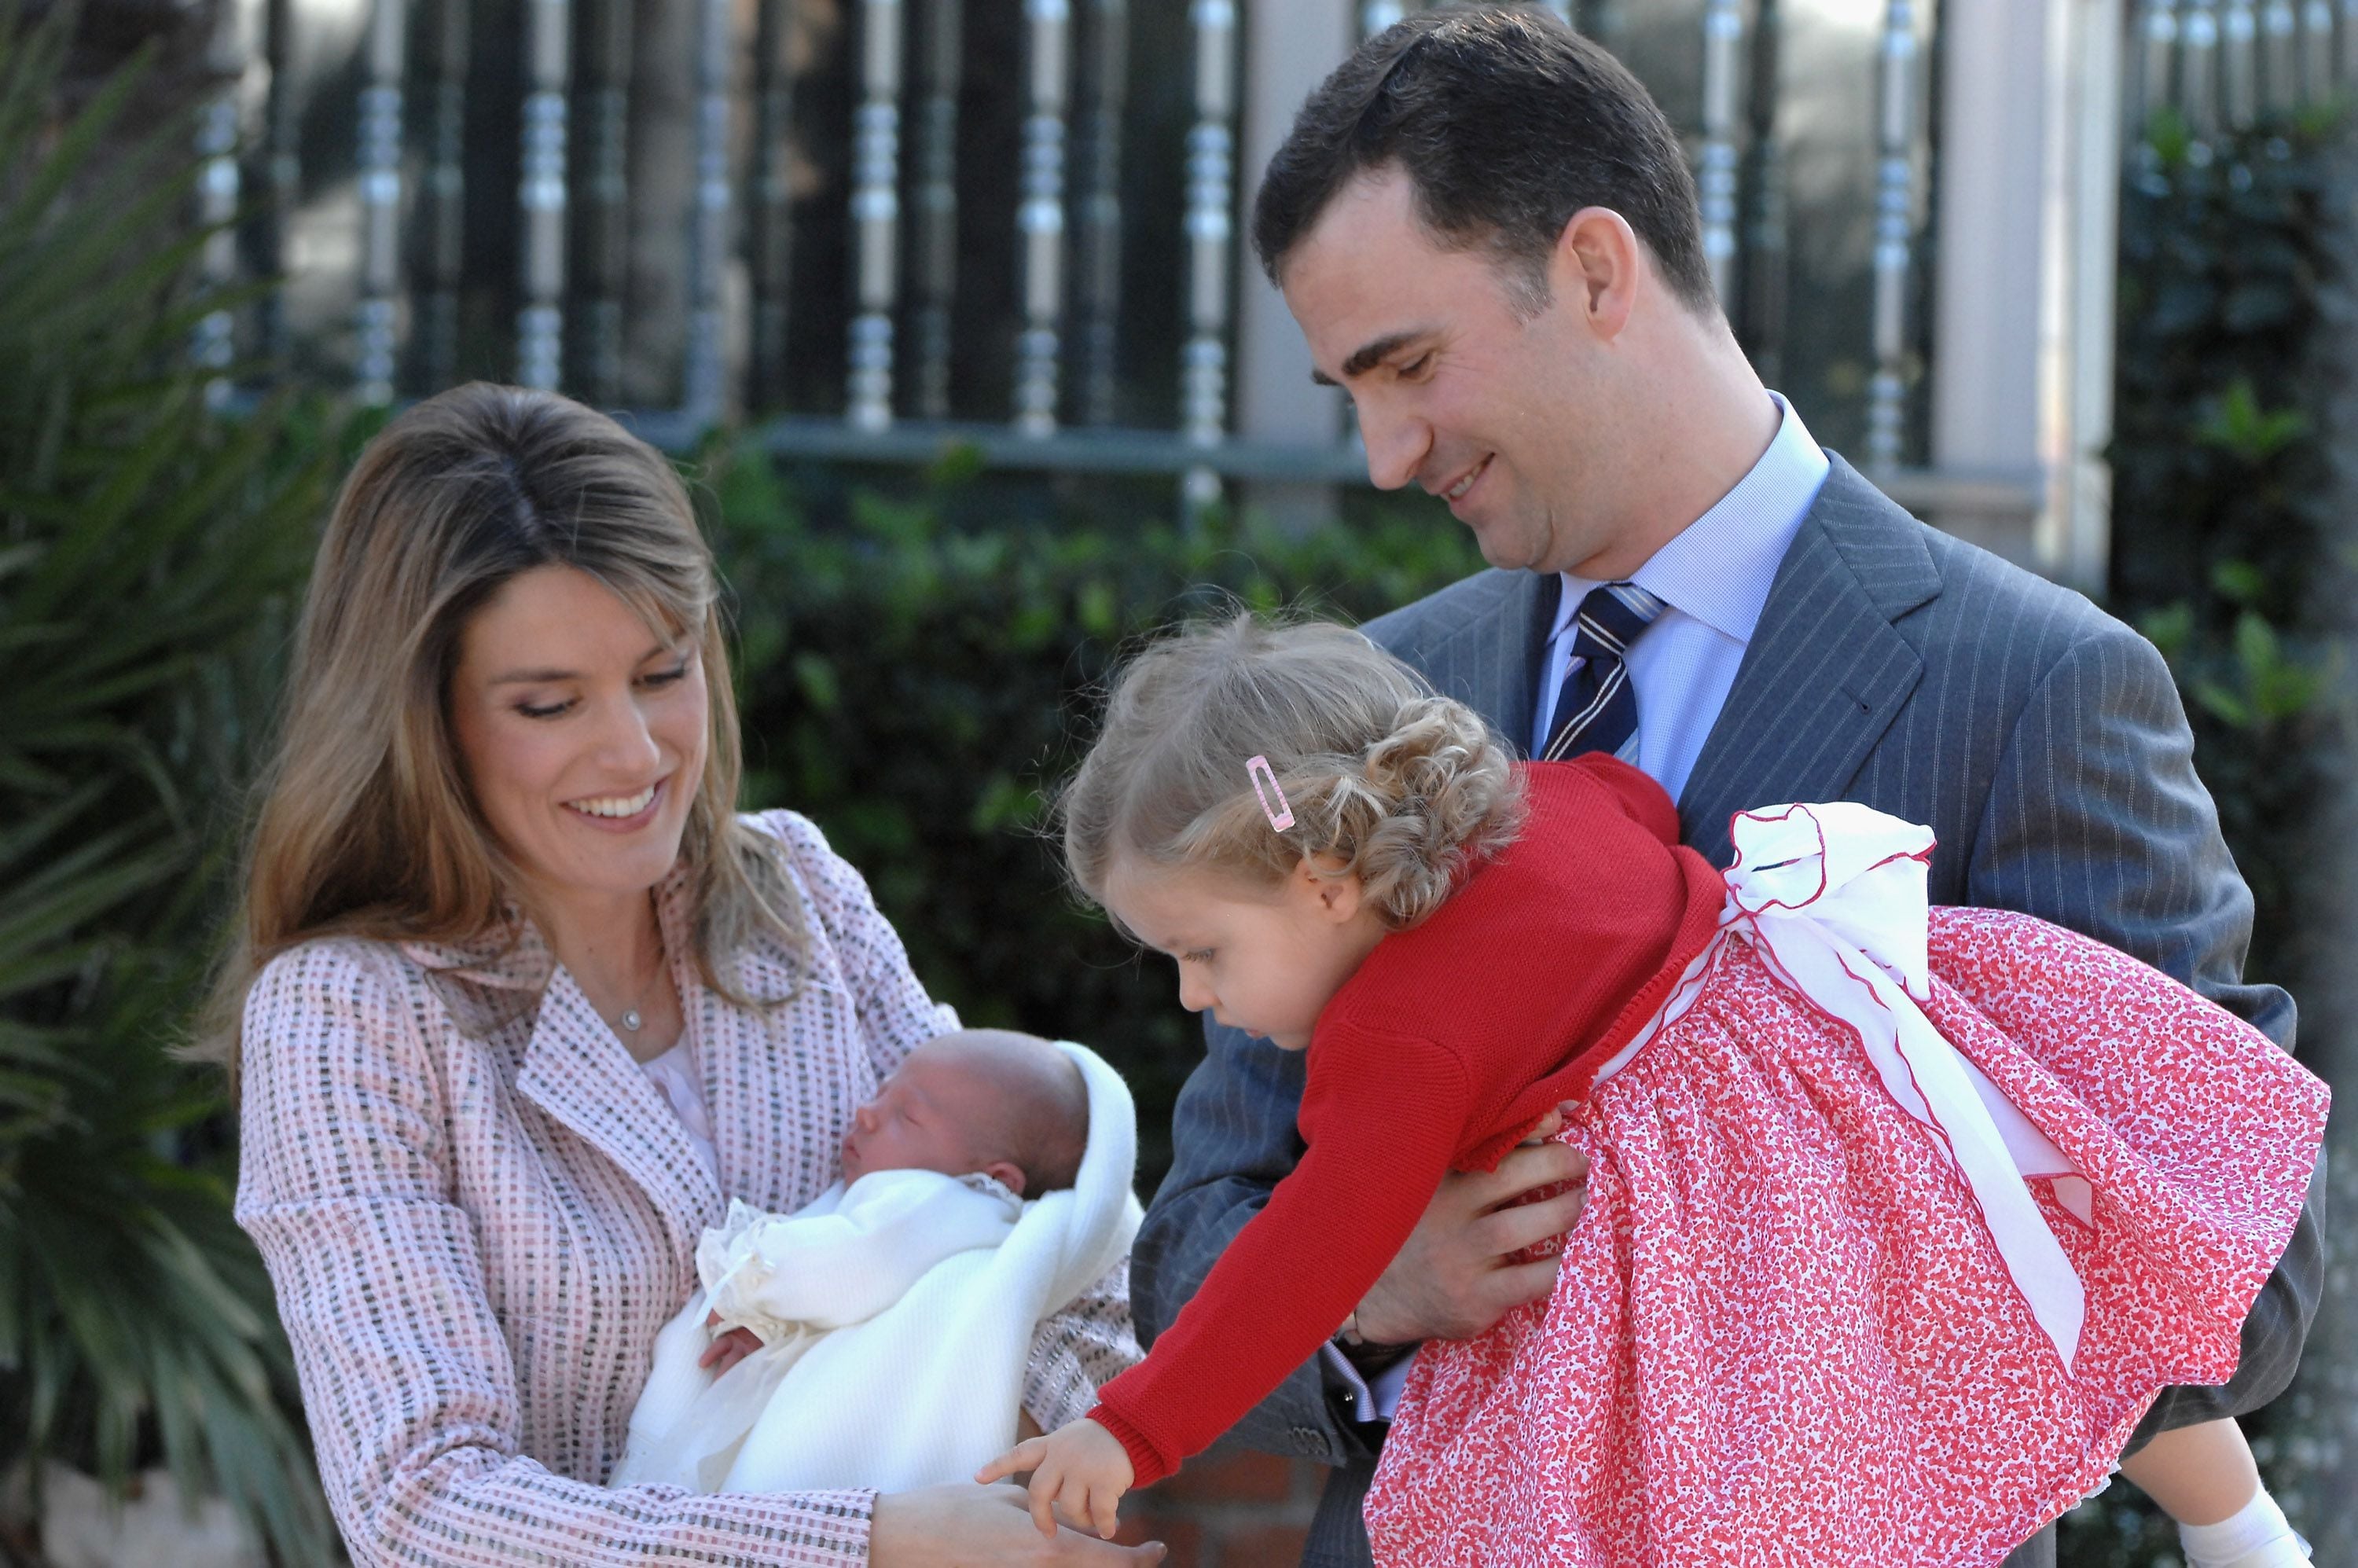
(896, 1316)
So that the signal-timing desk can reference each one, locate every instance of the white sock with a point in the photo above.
(2257, 1536)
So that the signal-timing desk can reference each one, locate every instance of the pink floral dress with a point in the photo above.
(1897, 1222)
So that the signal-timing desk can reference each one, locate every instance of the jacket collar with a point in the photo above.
(573, 1066)
(1826, 672)
(1487, 650)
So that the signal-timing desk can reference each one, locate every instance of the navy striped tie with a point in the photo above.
(1598, 708)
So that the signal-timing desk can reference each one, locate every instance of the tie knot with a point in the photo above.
(1610, 619)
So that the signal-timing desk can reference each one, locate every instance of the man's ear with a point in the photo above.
(1007, 1174)
(1597, 268)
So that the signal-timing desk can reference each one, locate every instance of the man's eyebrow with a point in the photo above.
(1370, 355)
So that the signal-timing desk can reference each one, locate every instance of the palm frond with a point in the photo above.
(148, 548)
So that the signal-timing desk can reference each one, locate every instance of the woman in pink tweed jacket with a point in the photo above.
(518, 1002)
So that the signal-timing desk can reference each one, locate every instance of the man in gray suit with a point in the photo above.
(1488, 236)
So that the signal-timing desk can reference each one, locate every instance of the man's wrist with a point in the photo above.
(1367, 1355)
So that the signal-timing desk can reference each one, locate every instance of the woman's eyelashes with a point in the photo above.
(657, 681)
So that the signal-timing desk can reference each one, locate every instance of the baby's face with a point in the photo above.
(924, 1119)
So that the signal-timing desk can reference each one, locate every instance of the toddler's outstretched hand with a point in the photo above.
(1080, 1465)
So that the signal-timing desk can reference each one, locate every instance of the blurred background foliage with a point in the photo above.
(149, 552)
(919, 652)
(2234, 548)
(919, 663)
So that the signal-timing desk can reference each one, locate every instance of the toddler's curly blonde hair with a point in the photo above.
(1386, 781)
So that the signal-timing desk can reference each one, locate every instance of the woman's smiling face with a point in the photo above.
(583, 732)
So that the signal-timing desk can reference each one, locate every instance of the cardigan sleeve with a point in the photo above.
(1381, 1130)
(345, 1186)
(895, 1014)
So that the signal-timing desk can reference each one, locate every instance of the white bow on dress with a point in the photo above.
(1831, 897)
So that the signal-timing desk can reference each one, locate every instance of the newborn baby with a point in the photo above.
(1008, 1111)
(844, 1327)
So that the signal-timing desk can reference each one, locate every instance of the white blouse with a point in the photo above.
(674, 1076)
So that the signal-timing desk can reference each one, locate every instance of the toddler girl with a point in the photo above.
(1894, 1227)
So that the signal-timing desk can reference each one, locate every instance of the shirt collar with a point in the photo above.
(1718, 569)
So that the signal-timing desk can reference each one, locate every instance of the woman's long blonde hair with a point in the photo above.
(366, 824)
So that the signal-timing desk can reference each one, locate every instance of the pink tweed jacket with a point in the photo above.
(477, 1212)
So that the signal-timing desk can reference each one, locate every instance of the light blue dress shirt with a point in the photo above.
(1713, 576)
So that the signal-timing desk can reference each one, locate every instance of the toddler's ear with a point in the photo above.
(1007, 1174)
(1328, 882)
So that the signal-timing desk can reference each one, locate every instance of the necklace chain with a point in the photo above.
(632, 1020)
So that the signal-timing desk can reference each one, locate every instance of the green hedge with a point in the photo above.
(917, 669)
(2234, 305)
(2232, 549)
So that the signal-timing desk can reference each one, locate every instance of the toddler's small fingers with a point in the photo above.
(1044, 1509)
(1019, 1457)
(1104, 1511)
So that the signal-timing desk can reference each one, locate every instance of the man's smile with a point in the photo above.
(1455, 492)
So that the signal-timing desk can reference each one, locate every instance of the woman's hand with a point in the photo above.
(960, 1526)
(1080, 1465)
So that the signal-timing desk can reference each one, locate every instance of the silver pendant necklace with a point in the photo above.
(632, 1020)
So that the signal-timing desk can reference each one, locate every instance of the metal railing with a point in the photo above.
(2223, 63)
(417, 61)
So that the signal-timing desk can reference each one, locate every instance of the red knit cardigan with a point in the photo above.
(1439, 1053)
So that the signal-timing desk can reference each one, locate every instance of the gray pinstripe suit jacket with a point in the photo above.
(1893, 665)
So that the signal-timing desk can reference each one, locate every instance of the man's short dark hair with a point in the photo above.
(1506, 123)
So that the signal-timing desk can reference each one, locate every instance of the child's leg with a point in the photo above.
(2196, 1475)
(2202, 1477)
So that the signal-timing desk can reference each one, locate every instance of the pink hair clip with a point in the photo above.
(1281, 815)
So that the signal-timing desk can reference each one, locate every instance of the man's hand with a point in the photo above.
(725, 1350)
(1080, 1467)
(1458, 1274)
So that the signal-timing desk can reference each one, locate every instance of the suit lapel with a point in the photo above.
(579, 1073)
(1825, 673)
